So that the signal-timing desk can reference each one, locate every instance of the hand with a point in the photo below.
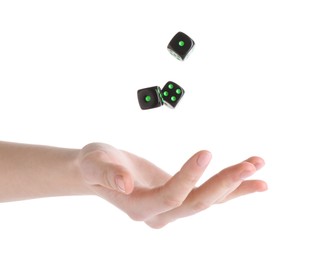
(147, 193)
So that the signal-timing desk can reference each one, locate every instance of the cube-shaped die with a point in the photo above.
(180, 45)
(149, 97)
(172, 94)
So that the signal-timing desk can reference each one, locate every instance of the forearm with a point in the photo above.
(33, 171)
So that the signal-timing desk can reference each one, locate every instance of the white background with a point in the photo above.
(69, 73)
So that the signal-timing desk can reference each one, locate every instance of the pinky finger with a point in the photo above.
(245, 188)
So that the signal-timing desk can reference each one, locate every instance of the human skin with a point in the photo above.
(133, 184)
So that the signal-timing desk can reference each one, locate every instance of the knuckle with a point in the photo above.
(228, 177)
(246, 166)
(172, 202)
(225, 181)
(200, 206)
(137, 216)
(190, 181)
(158, 221)
(156, 224)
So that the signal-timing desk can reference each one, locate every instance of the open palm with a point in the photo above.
(147, 193)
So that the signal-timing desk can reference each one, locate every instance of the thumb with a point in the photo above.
(108, 175)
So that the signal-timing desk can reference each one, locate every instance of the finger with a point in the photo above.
(245, 188)
(175, 191)
(95, 171)
(208, 193)
(220, 184)
(258, 164)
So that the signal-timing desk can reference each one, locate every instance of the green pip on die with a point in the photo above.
(149, 97)
(171, 94)
(153, 97)
(181, 46)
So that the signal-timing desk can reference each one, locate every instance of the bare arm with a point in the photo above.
(34, 171)
(131, 183)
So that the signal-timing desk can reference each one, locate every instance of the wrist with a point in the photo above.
(73, 181)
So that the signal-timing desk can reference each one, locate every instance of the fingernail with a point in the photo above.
(120, 183)
(204, 159)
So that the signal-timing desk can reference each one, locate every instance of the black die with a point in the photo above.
(180, 46)
(149, 97)
(172, 94)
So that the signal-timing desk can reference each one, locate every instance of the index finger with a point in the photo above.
(176, 190)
